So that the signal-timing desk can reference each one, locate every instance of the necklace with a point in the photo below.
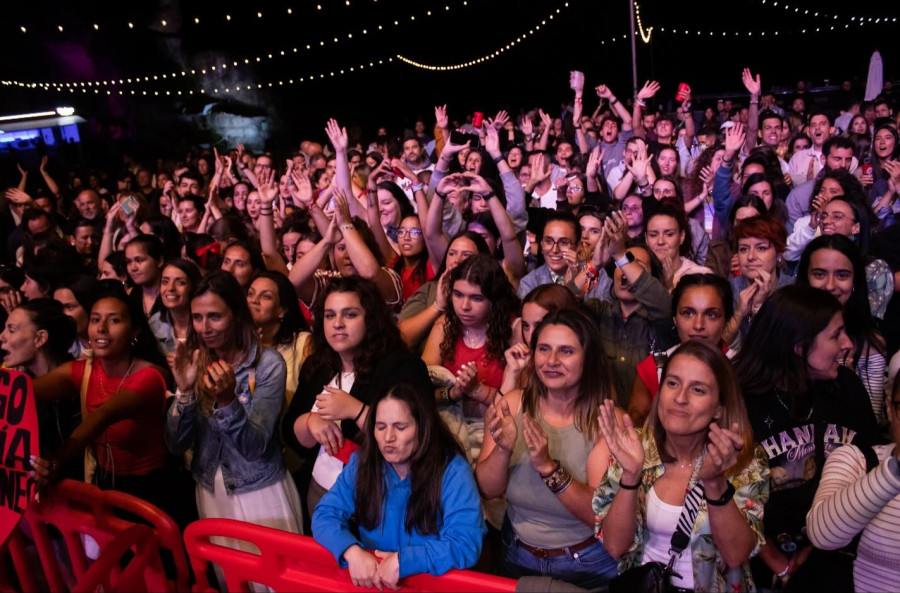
(473, 340)
(125, 376)
(786, 407)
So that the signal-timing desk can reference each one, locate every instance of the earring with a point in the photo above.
(134, 341)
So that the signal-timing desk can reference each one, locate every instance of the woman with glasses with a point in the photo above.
(413, 263)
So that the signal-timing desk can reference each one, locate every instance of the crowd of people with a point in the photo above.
(536, 345)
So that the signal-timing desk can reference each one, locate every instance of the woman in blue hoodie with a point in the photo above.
(412, 492)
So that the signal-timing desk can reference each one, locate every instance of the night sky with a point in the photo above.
(533, 72)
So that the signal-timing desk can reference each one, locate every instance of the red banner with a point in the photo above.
(18, 441)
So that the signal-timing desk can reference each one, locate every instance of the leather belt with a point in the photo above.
(553, 552)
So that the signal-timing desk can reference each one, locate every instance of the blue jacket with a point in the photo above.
(240, 436)
(458, 544)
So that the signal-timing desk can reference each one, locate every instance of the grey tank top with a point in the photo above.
(537, 516)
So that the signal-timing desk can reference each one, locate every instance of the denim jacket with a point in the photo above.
(241, 437)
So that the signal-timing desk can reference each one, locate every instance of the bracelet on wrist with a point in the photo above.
(635, 486)
(558, 480)
(361, 410)
(497, 159)
(347, 227)
(613, 101)
(438, 308)
(418, 187)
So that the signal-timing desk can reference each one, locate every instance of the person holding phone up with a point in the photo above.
(697, 444)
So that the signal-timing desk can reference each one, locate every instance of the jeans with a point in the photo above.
(590, 568)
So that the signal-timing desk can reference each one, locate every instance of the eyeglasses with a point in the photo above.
(574, 188)
(409, 232)
(563, 243)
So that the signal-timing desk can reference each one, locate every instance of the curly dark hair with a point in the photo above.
(382, 334)
(486, 273)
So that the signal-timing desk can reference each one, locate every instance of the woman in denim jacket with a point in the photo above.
(230, 393)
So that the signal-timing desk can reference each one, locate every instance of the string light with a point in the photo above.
(250, 13)
(819, 14)
(645, 37)
(802, 31)
(238, 88)
(205, 71)
(486, 57)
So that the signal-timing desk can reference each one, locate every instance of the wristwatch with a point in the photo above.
(625, 260)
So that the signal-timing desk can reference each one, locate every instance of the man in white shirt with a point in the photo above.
(806, 164)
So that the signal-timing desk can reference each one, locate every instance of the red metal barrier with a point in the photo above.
(76, 509)
(291, 562)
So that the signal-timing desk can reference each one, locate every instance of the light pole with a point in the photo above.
(634, 78)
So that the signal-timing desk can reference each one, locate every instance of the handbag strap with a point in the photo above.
(693, 498)
(85, 378)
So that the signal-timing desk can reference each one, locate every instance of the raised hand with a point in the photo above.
(753, 85)
(336, 135)
(301, 189)
(746, 297)
(615, 229)
(648, 91)
(220, 381)
(500, 424)
(527, 126)
(604, 92)
(594, 160)
(440, 116)
(466, 379)
(10, 300)
(517, 357)
(17, 196)
(268, 187)
(623, 441)
(538, 446)
(492, 141)
(546, 120)
(725, 444)
(639, 165)
(341, 207)
(336, 404)
(707, 178)
(183, 364)
(499, 120)
(734, 138)
(815, 207)
(45, 160)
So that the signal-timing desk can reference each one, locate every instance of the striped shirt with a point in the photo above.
(850, 500)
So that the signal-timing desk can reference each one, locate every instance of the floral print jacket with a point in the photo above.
(710, 571)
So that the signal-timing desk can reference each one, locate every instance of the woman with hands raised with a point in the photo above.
(696, 443)
(635, 321)
(546, 455)
(354, 252)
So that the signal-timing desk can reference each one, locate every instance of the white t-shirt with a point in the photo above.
(327, 468)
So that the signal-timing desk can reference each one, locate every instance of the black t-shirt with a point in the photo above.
(832, 414)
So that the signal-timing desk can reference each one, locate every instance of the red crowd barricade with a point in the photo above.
(106, 575)
(291, 562)
(76, 509)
